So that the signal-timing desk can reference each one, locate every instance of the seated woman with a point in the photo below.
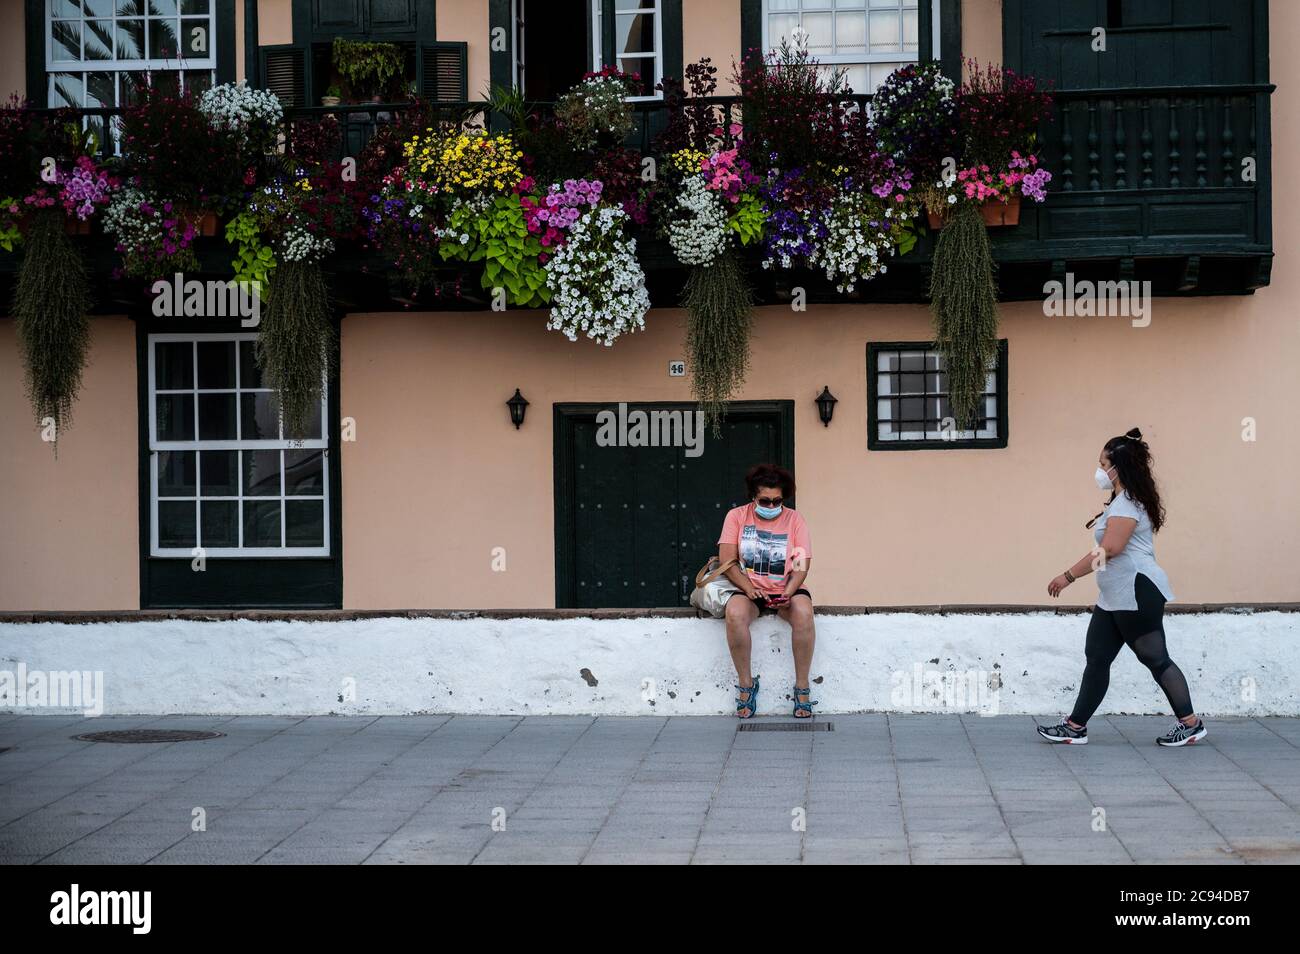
(771, 542)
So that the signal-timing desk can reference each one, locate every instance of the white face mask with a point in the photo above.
(1103, 481)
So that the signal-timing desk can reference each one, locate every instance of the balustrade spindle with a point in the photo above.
(1228, 156)
(1094, 172)
(1147, 174)
(1067, 150)
(1201, 181)
(1121, 157)
(1174, 154)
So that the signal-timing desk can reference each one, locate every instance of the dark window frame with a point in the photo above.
(875, 443)
(299, 582)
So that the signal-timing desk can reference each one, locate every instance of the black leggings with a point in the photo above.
(1143, 630)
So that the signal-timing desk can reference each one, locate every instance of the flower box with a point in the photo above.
(994, 213)
(204, 221)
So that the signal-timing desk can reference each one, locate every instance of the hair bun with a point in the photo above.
(1135, 434)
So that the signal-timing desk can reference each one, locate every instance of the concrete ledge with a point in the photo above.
(668, 612)
(938, 660)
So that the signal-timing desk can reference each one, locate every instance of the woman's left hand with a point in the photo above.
(1054, 588)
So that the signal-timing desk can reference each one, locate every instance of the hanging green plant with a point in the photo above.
(719, 318)
(368, 67)
(295, 347)
(51, 302)
(964, 304)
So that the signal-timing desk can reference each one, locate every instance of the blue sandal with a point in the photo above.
(802, 706)
(743, 705)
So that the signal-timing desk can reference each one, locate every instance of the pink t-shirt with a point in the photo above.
(770, 550)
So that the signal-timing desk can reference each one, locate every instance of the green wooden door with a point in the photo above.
(634, 524)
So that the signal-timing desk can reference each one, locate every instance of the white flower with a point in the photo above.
(701, 235)
(597, 285)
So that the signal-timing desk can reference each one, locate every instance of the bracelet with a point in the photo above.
(1069, 576)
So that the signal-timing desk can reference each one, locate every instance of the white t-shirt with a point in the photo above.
(1117, 577)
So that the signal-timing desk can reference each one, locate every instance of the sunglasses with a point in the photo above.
(770, 501)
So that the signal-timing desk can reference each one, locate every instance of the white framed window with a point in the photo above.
(638, 43)
(97, 52)
(867, 39)
(223, 476)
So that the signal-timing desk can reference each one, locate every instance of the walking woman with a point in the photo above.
(772, 543)
(1132, 590)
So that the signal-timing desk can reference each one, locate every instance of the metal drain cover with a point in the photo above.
(148, 735)
(803, 725)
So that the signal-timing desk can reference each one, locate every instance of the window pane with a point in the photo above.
(775, 5)
(858, 79)
(99, 92)
(99, 40)
(65, 90)
(220, 519)
(250, 376)
(645, 70)
(173, 365)
(216, 364)
(303, 472)
(130, 39)
(261, 473)
(195, 41)
(129, 8)
(781, 27)
(66, 8)
(884, 32)
(911, 25)
(162, 39)
(176, 473)
(217, 417)
(128, 84)
(196, 81)
(176, 524)
(850, 33)
(167, 81)
(312, 429)
(818, 26)
(258, 418)
(220, 472)
(163, 8)
(304, 523)
(99, 8)
(261, 523)
(175, 417)
(194, 6)
(634, 33)
(65, 40)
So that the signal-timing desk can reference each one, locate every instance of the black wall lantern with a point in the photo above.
(517, 405)
(826, 405)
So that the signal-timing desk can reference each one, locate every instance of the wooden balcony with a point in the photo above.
(1167, 185)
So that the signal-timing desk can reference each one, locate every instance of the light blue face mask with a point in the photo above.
(768, 513)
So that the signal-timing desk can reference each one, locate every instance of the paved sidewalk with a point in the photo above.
(879, 788)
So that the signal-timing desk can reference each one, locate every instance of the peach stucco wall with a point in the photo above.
(467, 21)
(13, 48)
(69, 526)
(438, 477)
(274, 22)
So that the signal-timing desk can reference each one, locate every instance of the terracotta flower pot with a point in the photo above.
(204, 221)
(75, 226)
(329, 100)
(994, 213)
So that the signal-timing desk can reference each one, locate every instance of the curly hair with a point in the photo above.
(1131, 458)
(769, 475)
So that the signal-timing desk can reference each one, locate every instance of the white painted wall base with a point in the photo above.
(1236, 664)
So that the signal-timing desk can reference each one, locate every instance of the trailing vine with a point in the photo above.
(295, 349)
(964, 305)
(51, 302)
(719, 318)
